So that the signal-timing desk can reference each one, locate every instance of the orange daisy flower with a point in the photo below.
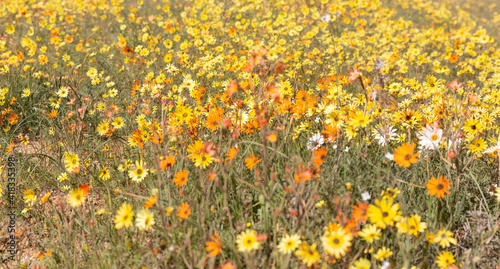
(13, 118)
(181, 178)
(438, 186)
(453, 58)
(151, 202)
(359, 212)
(167, 162)
(331, 132)
(184, 211)
(85, 189)
(231, 154)
(303, 175)
(404, 155)
(127, 50)
(214, 246)
(214, 119)
(251, 161)
(319, 156)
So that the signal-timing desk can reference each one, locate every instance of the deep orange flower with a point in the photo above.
(350, 224)
(303, 99)
(139, 136)
(151, 202)
(404, 155)
(214, 119)
(184, 211)
(331, 132)
(439, 186)
(319, 156)
(359, 212)
(167, 162)
(303, 175)
(156, 137)
(181, 178)
(231, 154)
(251, 161)
(127, 50)
(453, 58)
(13, 118)
(214, 246)
(85, 189)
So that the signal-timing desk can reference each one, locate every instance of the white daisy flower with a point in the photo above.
(315, 141)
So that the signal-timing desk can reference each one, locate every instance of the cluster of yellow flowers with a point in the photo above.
(242, 110)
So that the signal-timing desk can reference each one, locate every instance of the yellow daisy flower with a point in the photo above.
(124, 216)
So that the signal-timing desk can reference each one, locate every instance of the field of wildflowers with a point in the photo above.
(250, 134)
